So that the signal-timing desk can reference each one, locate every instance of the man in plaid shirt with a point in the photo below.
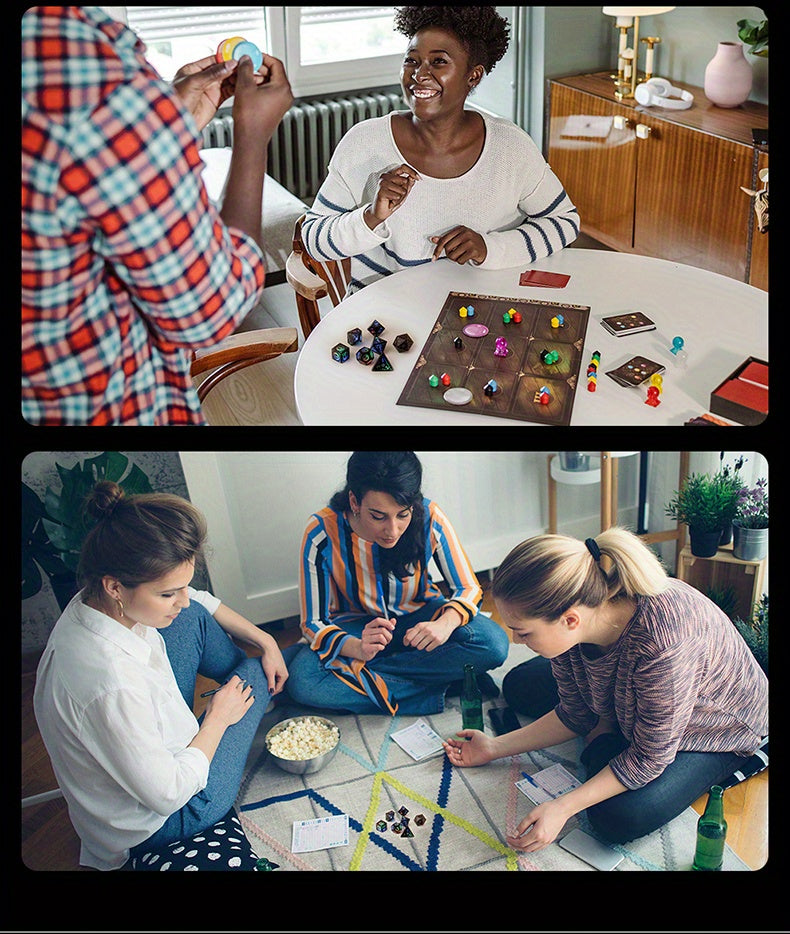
(126, 266)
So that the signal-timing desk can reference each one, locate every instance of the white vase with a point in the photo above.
(728, 76)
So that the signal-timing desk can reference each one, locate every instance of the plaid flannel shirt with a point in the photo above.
(126, 266)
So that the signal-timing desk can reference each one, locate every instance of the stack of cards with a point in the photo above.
(545, 280)
(635, 371)
(631, 322)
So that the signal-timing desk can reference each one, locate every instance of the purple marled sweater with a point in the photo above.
(679, 678)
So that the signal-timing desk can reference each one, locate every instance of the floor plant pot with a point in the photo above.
(704, 544)
(749, 544)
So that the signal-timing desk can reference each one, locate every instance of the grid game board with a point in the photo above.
(519, 375)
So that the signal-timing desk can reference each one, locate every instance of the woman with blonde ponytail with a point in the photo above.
(647, 669)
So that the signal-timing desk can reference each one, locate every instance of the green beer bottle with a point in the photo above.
(471, 701)
(711, 833)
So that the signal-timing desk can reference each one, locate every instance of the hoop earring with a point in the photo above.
(120, 607)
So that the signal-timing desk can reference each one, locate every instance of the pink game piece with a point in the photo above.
(475, 330)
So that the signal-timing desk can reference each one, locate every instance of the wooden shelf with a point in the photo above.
(674, 191)
(723, 571)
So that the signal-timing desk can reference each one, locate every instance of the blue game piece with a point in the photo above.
(677, 345)
(249, 48)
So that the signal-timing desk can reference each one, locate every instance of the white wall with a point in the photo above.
(257, 505)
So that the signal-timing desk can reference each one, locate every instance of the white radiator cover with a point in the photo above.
(300, 150)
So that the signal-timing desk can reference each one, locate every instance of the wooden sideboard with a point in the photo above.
(661, 182)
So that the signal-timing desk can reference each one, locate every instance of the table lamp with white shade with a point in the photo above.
(628, 56)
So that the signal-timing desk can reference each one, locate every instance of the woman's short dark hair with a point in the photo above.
(398, 473)
(137, 539)
(480, 29)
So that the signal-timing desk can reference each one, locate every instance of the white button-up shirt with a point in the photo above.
(117, 731)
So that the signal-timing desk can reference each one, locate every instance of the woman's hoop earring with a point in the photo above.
(120, 607)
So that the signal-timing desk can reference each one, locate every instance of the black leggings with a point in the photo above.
(531, 690)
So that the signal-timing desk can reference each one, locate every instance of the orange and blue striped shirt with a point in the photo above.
(340, 580)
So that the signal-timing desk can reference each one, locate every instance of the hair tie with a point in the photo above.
(592, 547)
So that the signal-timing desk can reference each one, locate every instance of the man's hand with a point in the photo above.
(204, 85)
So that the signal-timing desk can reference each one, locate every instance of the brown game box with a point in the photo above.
(743, 396)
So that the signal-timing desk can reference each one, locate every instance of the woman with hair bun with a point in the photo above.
(440, 179)
(647, 669)
(382, 637)
(116, 683)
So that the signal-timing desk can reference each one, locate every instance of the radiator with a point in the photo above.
(300, 150)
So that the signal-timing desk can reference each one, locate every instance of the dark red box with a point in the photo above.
(743, 396)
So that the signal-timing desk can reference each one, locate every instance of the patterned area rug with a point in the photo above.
(467, 811)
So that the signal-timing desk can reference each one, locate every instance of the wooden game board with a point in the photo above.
(519, 375)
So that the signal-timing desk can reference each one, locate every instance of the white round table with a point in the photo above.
(721, 320)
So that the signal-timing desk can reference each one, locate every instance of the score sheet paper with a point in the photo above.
(548, 784)
(322, 833)
(419, 740)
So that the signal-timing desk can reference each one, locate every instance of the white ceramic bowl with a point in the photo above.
(302, 766)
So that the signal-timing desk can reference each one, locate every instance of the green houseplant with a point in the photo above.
(755, 631)
(755, 35)
(53, 530)
(750, 523)
(706, 504)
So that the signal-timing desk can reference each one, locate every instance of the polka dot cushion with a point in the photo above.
(221, 848)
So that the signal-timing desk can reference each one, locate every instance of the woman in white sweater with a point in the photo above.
(440, 180)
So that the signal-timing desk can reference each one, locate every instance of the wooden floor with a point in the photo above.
(49, 842)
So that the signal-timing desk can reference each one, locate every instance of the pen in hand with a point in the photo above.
(214, 691)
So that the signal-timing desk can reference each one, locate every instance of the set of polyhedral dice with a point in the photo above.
(400, 824)
(366, 355)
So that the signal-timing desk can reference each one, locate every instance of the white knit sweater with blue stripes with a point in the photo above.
(510, 196)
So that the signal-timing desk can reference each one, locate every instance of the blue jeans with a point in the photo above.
(530, 689)
(416, 678)
(197, 644)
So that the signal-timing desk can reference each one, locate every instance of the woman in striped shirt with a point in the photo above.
(650, 671)
(382, 637)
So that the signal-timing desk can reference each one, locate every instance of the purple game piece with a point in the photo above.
(475, 330)
(501, 347)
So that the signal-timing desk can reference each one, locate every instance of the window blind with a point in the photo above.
(157, 23)
(315, 15)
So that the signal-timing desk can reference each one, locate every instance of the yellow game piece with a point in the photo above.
(226, 47)
(555, 322)
(657, 380)
(463, 311)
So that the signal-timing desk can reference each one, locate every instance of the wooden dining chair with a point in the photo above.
(239, 351)
(313, 279)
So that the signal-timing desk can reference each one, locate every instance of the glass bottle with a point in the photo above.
(471, 701)
(711, 833)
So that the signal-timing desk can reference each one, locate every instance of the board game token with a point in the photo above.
(248, 48)
(458, 395)
(226, 47)
(475, 330)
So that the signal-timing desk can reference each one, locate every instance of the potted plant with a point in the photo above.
(750, 523)
(53, 531)
(729, 476)
(755, 632)
(706, 504)
(755, 35)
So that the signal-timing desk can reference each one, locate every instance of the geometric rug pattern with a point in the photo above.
(468, 811)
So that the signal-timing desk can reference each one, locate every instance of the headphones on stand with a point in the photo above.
(658, 92)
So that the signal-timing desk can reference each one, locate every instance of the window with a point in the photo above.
(333, 48)
(324, 48)
(175, 36)
(347, 33)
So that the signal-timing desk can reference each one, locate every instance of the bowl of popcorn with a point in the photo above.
(303, 745)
